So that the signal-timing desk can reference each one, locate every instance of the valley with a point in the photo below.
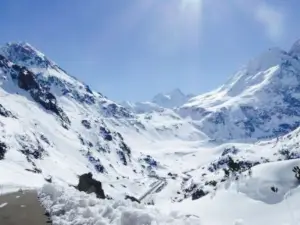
(225, 157)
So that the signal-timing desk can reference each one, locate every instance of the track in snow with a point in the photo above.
(154, 187)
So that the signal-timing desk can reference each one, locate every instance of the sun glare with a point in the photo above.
(191, 3)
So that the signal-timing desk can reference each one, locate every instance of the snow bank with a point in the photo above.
(250, 201)
(66, 205)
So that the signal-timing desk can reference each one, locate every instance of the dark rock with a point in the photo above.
(88, 89)
(233, 150)
(198, 194)
(122, 157)
(150, 161)
(48, 101)
(26, 80)
(96, 162)
(106, 134)
(296, 170)
(34, 170)
(274, 189)
(89, 185)
(125, 148)
(86, 124)
(4, 112)
(48, 179)
(44, 139)
(211, 183)
(133, 199)
(3, 149)
(289, 154)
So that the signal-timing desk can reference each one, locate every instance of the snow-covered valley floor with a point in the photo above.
(250, 200)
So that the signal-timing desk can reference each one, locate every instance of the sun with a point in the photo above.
(192, 6)
(191, 3)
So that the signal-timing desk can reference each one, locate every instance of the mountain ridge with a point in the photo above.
(51, 124)
(169, 100)
(247, 106)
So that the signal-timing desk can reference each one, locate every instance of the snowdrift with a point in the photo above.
(68, 206)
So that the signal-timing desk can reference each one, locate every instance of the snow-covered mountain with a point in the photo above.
(159, 102)
(261, 100)
(53, 124)
(172, 99)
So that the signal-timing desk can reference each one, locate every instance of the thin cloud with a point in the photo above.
(272, 19)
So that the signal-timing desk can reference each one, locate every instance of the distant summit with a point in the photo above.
(168, 100)
(172, 99)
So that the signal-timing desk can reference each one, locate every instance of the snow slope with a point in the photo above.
(52, 124)
(260, 101)
(68, 206)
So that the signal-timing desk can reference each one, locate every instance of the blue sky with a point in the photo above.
(133, 49)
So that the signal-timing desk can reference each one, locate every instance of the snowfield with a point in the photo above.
(68, 206)
(251, 200)
(223, 158)
(248, 201)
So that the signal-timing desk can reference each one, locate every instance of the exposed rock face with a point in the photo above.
(90, 185)
(26, 80)
(4, 112)
(198, 194)
(3, 149)
(86, 124)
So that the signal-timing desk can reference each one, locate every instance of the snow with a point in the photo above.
(69, 206)
(252, 200)
(159, 102)
(171, 150)
(254, 103)
(3, 204)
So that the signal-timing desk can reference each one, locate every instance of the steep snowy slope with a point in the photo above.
(53, 124)
(170, 100)
(261, 100)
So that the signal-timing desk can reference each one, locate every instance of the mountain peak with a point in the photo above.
(295, 49)
(171, 99)
(176, 91)
(24, 54)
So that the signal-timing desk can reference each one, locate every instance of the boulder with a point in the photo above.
(89, 185)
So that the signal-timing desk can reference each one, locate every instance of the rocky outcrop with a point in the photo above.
(26, 81)
(86, 124)
(106, 134)
(6, 113)
(198, 194)
(90, 185)
(3, 149)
